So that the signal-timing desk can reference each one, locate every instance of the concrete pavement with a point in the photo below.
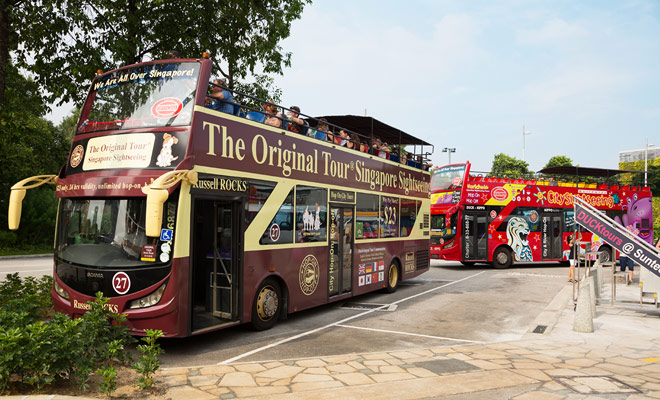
(620, 360)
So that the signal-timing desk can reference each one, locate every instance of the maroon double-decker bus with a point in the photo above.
(191, 219)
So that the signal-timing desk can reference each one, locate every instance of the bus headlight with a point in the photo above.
(60, 290)
(149, 300)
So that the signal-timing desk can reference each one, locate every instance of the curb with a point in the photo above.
(25, 256)
(550, 315)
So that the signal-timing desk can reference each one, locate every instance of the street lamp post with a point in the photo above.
(646, 159)
(449, 150)
(524, 132)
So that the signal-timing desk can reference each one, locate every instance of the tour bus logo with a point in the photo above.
(533, 217)
(77, 155)
(167, 107)
(309, 275)
(499, 193)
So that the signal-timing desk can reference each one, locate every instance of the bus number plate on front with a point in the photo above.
(121, 283)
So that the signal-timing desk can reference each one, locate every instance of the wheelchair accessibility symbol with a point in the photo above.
(166, 235)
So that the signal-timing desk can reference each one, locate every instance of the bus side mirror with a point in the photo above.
(157, 194)
(154, 214)
(15, 207)
(18, 194)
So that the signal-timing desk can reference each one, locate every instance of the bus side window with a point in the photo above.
(311, 214)
(389, 216)
(280, 229)
(408, 215)
(366, 221)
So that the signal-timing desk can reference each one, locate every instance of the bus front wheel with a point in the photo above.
(392, 278)
(502, 258)
(267, 305)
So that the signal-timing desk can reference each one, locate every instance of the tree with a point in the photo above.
(64, 43)
(558, 161)
(511, 167)
(30, 145)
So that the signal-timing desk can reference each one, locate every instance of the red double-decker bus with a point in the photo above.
(478, 219)
(191, 219)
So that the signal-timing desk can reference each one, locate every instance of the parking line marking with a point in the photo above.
(303, 334)
(410, 334)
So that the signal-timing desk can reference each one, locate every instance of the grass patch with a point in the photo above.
(27, 250)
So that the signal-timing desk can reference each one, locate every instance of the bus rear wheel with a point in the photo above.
(502, 258)
(267, 305)
(392, 278)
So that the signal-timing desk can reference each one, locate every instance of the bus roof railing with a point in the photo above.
(356, 125)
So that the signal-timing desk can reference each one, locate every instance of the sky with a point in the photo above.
(582, 77)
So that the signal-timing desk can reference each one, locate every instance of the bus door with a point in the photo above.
(475, 233)
(551, 236)
(340, 260)
(216, 262)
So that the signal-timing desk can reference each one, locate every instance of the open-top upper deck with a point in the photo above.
(141, 121)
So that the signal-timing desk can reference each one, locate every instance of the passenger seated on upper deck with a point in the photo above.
(323, 127)
(343, 138)
(353, 142)
(379, 149)
(386, 149)
(296, 124)
(221, 98)
(425, 166)
(405, 157)
(272, 116)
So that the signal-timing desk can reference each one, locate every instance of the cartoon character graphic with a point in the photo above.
(639, 217)
(516, 232)
(165, 157)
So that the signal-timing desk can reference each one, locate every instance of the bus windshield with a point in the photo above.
(150, 95)
(447, 178)
(105, 233)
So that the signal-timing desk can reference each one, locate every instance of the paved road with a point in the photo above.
(451, 304)
(26, 266)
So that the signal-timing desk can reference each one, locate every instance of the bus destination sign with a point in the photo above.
(342, 196)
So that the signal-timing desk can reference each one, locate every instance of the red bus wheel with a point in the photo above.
(502, 258)
(267, 305)
(392, 278)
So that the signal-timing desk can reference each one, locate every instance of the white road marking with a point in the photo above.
(536, 275)
(270, 346)
(410, 334)
(29, 270)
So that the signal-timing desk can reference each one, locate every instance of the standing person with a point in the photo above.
(626, 262)
(657, 245)
(572, 256)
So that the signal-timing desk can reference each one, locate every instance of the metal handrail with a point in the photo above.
(368, 140)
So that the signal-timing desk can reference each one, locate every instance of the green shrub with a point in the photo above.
(42, 352)
(148, 360)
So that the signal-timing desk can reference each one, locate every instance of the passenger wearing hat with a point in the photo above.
(296, 124)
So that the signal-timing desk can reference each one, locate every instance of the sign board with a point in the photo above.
(617, 236)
